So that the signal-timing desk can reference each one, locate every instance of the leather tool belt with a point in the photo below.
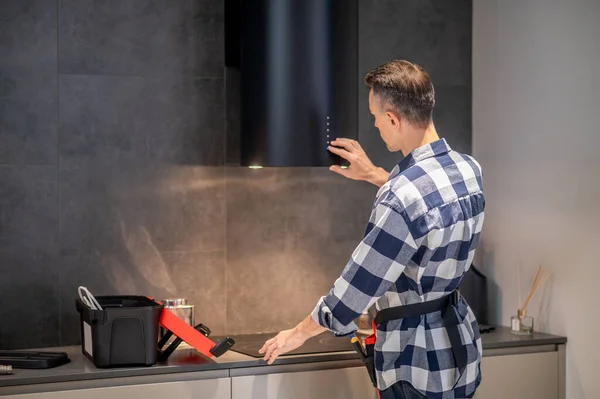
(447, 304)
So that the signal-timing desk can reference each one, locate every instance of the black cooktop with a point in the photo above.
(249, 344)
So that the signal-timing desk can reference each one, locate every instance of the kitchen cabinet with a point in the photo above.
(346, 383)
(514, 367)
(523, 375)
(535, 374)
(531, 374)
(204, 389)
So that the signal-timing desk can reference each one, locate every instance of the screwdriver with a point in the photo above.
(356, 344)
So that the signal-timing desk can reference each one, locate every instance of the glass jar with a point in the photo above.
(521, 324)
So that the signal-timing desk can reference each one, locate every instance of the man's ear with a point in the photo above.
(394, 119)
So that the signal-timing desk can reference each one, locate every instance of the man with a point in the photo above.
(420, 240)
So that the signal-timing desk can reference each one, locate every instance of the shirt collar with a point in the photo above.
(430, 150)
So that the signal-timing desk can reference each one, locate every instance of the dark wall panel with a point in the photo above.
(116, 122)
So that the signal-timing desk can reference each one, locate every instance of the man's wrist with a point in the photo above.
(378, 176)
(301, 333)
(308, 328)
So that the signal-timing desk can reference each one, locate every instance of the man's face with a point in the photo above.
(387, 123)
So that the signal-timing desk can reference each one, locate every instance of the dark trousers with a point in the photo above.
(401, 390)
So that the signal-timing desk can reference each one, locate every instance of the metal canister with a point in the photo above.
(181, 309)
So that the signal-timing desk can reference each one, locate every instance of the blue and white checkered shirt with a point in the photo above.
(420, 240)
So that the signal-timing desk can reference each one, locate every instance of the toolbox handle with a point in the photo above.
(92, 314)
(223, 346)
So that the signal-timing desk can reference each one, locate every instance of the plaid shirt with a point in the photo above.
(420, 240)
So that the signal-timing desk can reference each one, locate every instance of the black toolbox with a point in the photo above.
(123, 333)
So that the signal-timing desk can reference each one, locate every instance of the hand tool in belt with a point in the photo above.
(447, 305)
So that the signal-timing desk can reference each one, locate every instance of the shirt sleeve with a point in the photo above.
(375, 265)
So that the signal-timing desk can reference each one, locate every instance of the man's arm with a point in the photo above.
(375, 265)
(361, 167)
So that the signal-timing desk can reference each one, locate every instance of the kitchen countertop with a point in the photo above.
(187, 360)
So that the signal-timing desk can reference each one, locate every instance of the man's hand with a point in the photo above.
(361, 167)
(285, 341)
(288, 340)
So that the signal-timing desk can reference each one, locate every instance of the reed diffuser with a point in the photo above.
(522, 324)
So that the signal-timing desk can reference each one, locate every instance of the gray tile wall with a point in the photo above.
(433, 33)
(117, 164)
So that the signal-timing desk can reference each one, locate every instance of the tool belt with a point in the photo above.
(446, 304)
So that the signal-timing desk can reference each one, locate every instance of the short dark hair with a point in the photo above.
(404, 88)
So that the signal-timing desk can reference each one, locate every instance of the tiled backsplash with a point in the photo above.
(118, 167)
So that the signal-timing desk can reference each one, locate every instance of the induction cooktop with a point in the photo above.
(249, 344)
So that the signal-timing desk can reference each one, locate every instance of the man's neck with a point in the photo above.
(420, 137)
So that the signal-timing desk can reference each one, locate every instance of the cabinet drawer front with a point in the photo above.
(205, 389)
(349, 383)
(526, 376)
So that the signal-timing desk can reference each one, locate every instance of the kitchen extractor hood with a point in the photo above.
(298, 63)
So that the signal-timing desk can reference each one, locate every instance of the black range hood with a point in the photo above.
(298, 63)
